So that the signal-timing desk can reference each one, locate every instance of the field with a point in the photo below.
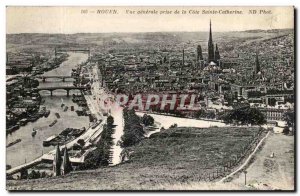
(191, 154)
(175, 156)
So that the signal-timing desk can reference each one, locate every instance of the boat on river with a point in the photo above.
(57, 115)
(33, 118)
(47, 113)
(53, 123)
(41, 125)
(23, 121)
(66, 108)
(42, 111)
(64, 137)
(33, 133)
(12, 129)
(48, 141)
(13, 143)
(96, 124)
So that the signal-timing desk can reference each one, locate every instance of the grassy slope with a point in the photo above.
(174, 156)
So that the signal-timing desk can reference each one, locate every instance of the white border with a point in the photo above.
(4, 3)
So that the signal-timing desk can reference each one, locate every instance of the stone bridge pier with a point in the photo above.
(66, 88)
(68, 92)
(62, 78)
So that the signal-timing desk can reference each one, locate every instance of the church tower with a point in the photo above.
(199, 53)
(210, 46)
(257, 66)
(217, 55)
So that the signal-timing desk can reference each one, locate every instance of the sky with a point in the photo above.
(70, 20)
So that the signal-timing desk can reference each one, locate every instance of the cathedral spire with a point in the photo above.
(210, 34)
(210, 45)
(217, 55)
(199, 53)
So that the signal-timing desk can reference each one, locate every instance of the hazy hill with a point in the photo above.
(98, 41)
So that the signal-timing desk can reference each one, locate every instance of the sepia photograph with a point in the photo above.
(150, 98)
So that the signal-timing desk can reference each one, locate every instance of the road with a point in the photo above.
(117, 113)
(99, 96)
(247, 160)
(267, 172)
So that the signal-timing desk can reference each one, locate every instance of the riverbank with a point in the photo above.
(30, 147)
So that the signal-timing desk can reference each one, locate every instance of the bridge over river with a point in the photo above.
(64, 50)
(66, 88)
(63, 78)
(30, 148)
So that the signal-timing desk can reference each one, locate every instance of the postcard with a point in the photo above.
(165, 98)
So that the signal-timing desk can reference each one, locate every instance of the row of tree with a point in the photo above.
(244, 116)
(101, 155)
(202, 113)
(133, 129)
(133, 133)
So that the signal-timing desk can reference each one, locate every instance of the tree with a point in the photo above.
(101, 155)
(43, 174)
(245, 116)
(200, 113)
(205, 114)
(110, 121)
(24, 174)
(133, 131)
(286, 131)
(147, 120)
(34, 175)
(81, 142)
(173, 126)
(289, 117)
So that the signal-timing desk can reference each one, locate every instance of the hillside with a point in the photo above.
(105, 41)
(173, 157)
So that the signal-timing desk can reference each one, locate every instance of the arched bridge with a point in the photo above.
(63, 78)
(60, 50)
(66, 88)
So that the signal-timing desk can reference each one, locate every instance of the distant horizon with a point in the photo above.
(144, 32)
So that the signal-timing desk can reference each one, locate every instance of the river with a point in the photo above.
(31, 147)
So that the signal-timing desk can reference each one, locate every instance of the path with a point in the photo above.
(247, 160)
(117, 114)
(272, 173)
